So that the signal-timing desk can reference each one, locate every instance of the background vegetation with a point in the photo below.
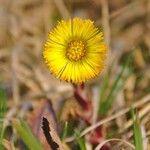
(110, 112)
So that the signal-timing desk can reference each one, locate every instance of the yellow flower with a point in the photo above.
(75, 50)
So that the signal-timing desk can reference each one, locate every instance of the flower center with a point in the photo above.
(75, 50)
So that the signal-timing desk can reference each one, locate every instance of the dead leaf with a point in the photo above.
(50, 135)
(43, 108)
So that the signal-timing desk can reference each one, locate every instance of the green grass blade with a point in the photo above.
(65, 131)
(80, 141)
(26, 135)
(3, 105)
(104, 87)
(137, 131)
(116, 87)
(3, 108)
(105, 83)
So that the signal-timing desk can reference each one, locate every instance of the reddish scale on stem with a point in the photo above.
(97, 135)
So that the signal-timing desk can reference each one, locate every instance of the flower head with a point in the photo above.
(75, 50)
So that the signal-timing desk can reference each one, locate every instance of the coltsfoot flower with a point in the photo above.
(75, 51)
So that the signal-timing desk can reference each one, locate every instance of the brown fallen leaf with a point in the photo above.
(50, 135)
(43, 108)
